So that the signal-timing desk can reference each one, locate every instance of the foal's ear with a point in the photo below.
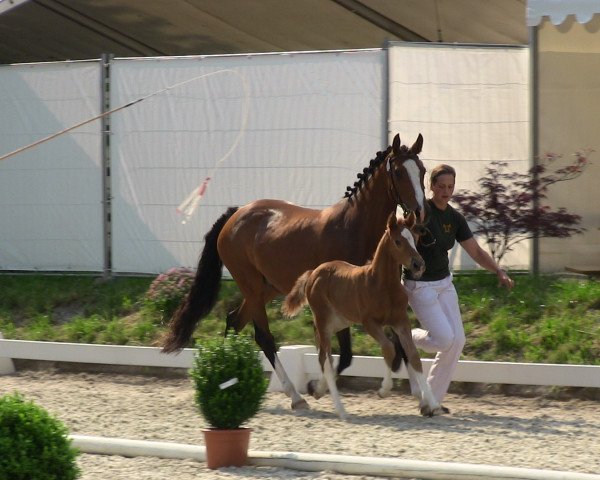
(396, 144)
(392, 221)
(409, 221)
(417, 146)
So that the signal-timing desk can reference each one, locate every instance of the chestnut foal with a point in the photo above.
(340, 293)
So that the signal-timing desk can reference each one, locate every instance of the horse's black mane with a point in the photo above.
(366, 173)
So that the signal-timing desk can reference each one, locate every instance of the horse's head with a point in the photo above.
(403, 241)
(407, 176)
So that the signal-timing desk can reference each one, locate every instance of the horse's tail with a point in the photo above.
(204, 291)
(296, 299)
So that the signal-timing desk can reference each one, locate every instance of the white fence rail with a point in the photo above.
(300, 362)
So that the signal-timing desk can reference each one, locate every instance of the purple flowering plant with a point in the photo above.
(167, 291)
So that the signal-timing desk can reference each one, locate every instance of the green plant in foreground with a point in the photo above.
(229, 381)
(33, 444)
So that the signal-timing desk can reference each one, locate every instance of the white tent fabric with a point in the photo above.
(558, 10)
(471, 103)
(299, 127)
(568, 59)
(50, 195)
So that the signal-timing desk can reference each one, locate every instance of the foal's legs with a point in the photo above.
(387, 383)
(328, 378)
(428, 405)
(389, 354)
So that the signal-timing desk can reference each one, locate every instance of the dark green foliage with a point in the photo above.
(218, 361)
(33, 444)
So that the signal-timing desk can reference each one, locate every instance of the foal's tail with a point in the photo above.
(296, 299)
(204, 291)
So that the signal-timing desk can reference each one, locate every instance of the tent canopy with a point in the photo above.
(56, 30)
(558, 10)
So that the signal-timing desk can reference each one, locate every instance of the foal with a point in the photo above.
(340, 293)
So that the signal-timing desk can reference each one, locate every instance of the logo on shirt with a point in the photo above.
(447, 227)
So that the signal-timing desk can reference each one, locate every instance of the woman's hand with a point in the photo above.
(504, 279)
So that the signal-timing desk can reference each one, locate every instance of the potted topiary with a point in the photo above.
(230, 387)
(33, 444)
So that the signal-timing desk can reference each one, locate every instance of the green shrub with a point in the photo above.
(233, 358)
(168, 290)
(33, 444)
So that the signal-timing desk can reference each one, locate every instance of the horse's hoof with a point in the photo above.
(300, 405)
(382, 393)
(427, 411)
(312, 391)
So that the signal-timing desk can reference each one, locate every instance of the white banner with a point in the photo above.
(51, 195)
(471, 103)
(295, 126)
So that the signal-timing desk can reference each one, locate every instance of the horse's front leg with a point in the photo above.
(428, 405)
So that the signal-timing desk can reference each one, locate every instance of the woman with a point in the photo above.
(433, 297)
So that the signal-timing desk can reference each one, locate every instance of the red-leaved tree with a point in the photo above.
(510, 207)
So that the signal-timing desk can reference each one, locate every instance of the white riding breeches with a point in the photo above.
(436, 306)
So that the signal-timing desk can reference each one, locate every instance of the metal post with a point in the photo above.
(106, 179)
(386, 95)
(534, 135)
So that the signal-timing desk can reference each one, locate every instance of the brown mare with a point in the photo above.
(340, 294)
(267, 244)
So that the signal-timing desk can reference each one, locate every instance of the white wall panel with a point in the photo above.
(471, 103)
(50, 195)
(301, 126)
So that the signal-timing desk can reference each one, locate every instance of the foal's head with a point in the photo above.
(407, 175)
(403, 243)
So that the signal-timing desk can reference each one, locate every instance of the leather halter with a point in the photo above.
(396, 192)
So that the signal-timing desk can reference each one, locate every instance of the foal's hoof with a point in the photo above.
(300, 405)
(427, 411)
(383, 393)
(311, 389)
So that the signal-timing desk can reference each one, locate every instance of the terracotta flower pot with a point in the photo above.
(226, 448)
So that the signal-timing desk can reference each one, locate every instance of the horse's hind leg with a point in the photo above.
(264, 338)
(330, 376)
(256, 293)
(386, 383)
(345, 343)
(328, 379)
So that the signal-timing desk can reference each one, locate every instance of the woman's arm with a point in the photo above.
(484, 259)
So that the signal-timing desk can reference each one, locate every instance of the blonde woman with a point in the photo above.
(433, 297)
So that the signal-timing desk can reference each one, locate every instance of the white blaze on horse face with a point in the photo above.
(415, 178)
(406, 233)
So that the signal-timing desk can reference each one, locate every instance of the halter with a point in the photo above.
(396, 192)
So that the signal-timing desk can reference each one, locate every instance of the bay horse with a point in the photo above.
(267, 244)
(371, 295)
